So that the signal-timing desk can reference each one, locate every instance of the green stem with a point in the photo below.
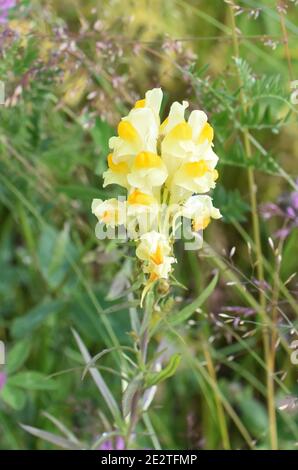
(286, 43)
(258, 245)
(143, 341)
(218, 403)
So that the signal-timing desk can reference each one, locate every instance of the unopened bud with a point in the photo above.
(163, 287)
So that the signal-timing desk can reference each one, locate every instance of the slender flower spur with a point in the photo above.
(166, 168)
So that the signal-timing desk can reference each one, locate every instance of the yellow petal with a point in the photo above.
(201, 224)
(140, 103)
(109, 216)
(127, 132)
(181, 131)
(153, 277)
(121, 167)
(196, 169)
(157, 257)
(207, 133)
(137, 197)
(106, 216)
(215, 175)
(147, 160)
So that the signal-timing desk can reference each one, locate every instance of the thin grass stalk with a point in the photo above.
(257, 240)
(220, 412)
(285, 41)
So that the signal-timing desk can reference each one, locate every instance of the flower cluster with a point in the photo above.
(166, 169)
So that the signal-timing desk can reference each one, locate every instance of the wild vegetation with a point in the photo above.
(223, 335)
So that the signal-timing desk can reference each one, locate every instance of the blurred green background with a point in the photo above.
(71, 69)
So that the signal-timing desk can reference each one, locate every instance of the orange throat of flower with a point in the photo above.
(157, 257)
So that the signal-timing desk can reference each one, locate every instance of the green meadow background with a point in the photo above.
(71, 69)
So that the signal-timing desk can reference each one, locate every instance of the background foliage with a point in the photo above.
(71, 69)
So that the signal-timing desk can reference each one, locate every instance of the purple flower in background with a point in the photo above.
(5, 6)
(239, 313)
(245, 311)
(294, 200)
(286, 208)
(2, 380)
(119, 444)
(269, 210)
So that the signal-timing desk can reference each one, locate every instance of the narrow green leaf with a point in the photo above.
(50, 437)
(187, 311)
(168, 371)
(97, 377)
(69, 435)
(59, 250)
(31, 380)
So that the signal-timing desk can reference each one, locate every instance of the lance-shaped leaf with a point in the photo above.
(69, 435)
(52, 438)
(32, 380)
(99, 381)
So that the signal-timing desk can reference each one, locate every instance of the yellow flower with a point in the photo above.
(187, 150)
(110, 212)
(135, 147)
(152, 100)
(148, 170)
(139, 130)
(195, 176)
(200, 210)
(139, 198)
(142, 212)
(154, 250)
(166, 169)
(117, 173)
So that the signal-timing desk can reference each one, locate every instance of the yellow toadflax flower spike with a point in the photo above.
(167, 169)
